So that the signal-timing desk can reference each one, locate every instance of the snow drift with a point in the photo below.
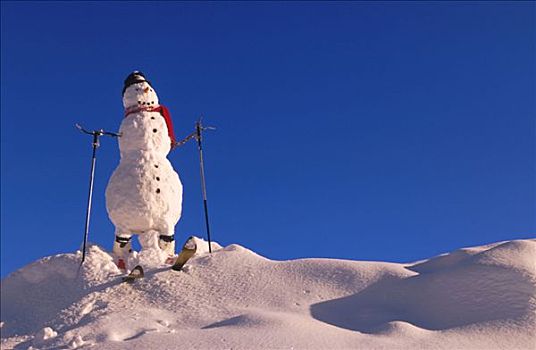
(482, 297)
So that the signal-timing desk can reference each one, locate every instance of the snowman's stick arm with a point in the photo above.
(79, 127)
(192, 136)
(186, 139)
(109, 133)
(97, 132)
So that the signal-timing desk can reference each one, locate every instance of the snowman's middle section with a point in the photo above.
(144, 192)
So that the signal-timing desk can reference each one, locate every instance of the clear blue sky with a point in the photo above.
(357, 130)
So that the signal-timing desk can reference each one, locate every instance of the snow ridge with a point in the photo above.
(473, 298)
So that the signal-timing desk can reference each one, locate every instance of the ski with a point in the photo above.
(188, 250)
(136, 273)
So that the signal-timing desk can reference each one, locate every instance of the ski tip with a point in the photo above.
(190, 244)
(136, 273)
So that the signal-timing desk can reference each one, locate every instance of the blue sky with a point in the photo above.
(357, 130)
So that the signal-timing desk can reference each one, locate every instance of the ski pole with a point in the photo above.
(198, 135)
(96, 134)
(199, 129)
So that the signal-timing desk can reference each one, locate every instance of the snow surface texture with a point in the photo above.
(473, 298)
(144, 192)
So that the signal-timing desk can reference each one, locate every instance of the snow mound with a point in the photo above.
(481, 297)
(469, 286)
(518, 254)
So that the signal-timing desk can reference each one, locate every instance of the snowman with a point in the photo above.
(144, 194)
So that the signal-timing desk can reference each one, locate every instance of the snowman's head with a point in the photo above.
(138, 92)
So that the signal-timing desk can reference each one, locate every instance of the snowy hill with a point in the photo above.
(473, 298)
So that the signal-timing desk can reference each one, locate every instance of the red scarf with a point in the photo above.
(164, 112)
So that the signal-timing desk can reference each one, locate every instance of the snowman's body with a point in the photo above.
(144, 193)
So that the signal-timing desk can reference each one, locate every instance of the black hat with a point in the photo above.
(134, 78)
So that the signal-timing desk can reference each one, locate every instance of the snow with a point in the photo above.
(44, 334)
(473, 298)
